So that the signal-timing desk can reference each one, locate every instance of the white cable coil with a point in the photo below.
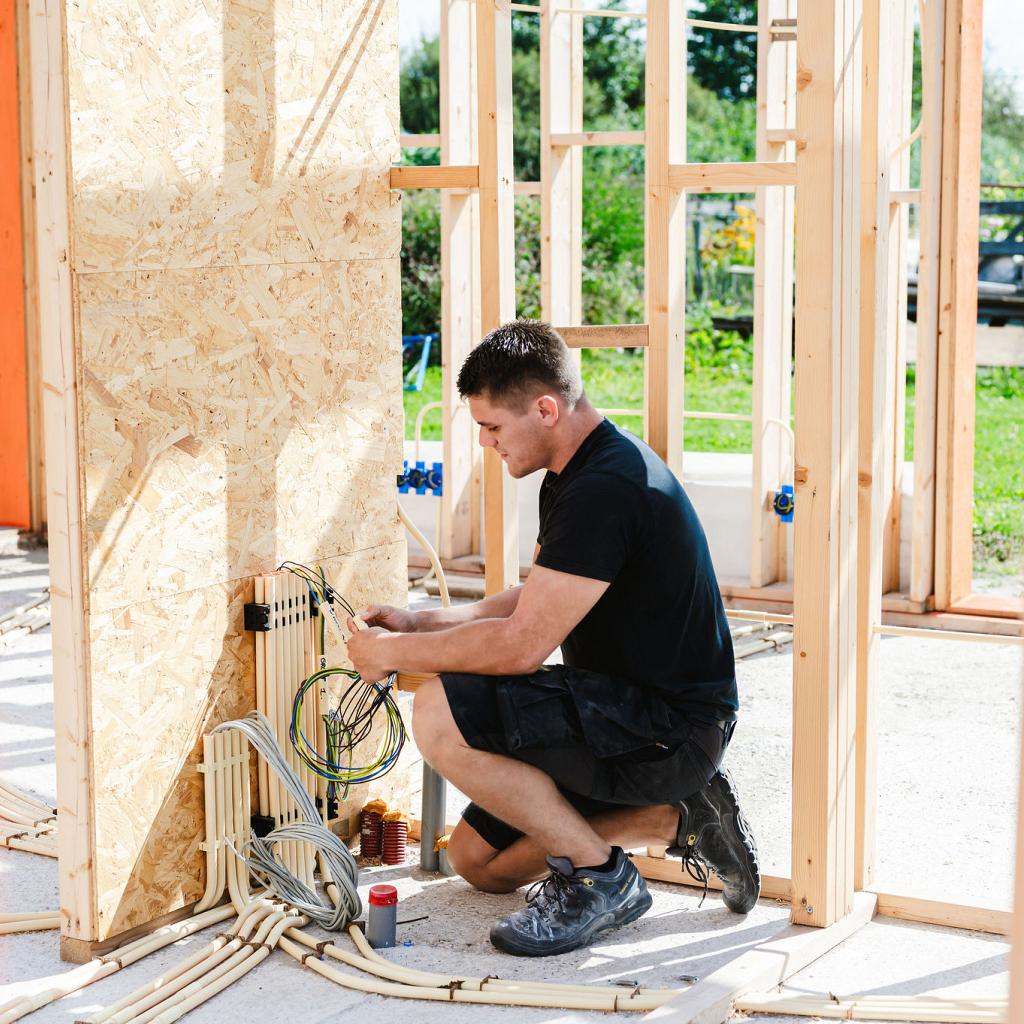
(258, 853)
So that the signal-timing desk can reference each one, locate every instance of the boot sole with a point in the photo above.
(627, 914)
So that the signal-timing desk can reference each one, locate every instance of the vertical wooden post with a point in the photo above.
(497, 263)
(883, 24)
(665, 231)
(71, 690)
(773, 299)
(958, 302)
(460, 282)
(922, 572)
(901, 21)
(825, 570)
(561, 167)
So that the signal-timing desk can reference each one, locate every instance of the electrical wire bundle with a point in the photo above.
(335, 857)
(350, 721)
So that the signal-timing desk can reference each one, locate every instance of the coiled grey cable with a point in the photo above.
(258, 854)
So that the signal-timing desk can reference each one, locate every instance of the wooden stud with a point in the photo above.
(561, 166)
(825, 543)
(901, 18)
(75, 839)
(606, 336)
(922, 572)
(875, 430)
(442, 176)
(732, 177)
(497, 263)
(460, 278)
(957, 302)
(665, 232)
(773, 304)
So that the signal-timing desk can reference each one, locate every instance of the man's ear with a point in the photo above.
(548, 408)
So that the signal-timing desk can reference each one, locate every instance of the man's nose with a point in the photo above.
(486, 441)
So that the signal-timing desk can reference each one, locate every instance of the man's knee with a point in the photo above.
(470, 857)
(432, 721)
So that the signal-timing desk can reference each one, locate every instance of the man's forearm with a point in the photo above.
(497, 606)
(487, 646)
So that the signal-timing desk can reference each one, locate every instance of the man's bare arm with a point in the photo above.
(550, 604)
(497, 606)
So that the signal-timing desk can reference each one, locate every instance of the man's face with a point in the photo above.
(522, 439)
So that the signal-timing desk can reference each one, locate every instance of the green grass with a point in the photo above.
(615, 380)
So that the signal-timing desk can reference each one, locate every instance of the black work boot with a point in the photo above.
(714, 834)
(571, 907)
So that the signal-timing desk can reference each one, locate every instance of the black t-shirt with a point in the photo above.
(617, 513)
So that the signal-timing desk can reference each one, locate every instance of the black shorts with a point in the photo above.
(606, 743)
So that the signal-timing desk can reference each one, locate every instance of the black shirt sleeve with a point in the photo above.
(590, 528)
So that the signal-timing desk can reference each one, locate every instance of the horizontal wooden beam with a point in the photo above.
(990, 604)
(415, 141)
(605, 336)
(777, 135)
(634, 138)
(732, 177)
(950, 915)
(436, 177)
(905, 195)
(527, 188)
(669, 869)
(949, 634)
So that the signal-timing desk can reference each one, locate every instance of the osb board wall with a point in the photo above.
(238, 321)
(180, 665)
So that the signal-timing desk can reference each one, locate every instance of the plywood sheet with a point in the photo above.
(224, 133)
(234, 417)
(171, 670)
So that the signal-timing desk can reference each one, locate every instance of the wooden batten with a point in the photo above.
(581, 138)
(825, 542)
(957, 302)
(606, 336)
(561, 166)
(458, 176)
(460, 277)
(497, 264)
(773, 304)
(665, 232)
(732, 177)
(922, 571)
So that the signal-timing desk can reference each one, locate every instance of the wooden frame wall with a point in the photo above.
(848, 159)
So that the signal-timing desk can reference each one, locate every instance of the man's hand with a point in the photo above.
(394, 620)
(366, 652)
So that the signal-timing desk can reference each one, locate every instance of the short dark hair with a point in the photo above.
(516, 360)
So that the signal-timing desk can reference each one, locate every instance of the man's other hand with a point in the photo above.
(394, 620)
(366, 652)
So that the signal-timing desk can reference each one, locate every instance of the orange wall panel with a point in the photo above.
(14, 482)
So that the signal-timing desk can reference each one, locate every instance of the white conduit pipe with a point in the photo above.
(435, 562)
(307, 830)
(598, 1000)
(367, 959)
(44, 991)
(35, 921)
